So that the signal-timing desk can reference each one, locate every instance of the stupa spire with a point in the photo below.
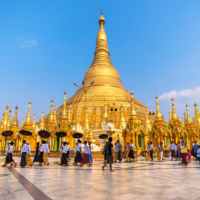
(188, 115)
(8, 123)
(15, 121)
(158, 114)
(170, 117)
(147, 122)
(64, 110)
(42, 125)
(22, 124)
(6, 117)
(34, 120)
(133, 112)
(196, 117)
(51, 116)
(174, 115)
(28, 120)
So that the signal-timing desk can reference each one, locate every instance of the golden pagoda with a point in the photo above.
(174, 125)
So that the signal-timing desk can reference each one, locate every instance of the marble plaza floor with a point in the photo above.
(139, 180)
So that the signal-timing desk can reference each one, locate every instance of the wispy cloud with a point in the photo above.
(28, 43)
(181, 94)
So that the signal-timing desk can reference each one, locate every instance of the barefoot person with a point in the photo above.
(9, 158)
(86, 152)
(109, 155)
(28, 155)
(23, 154)
(184, 153)
(68, 149)
(173, 150)
(90, 156)
(36, 157)
(41, 153)
(64, 155)
(151, 151)
(131, 152)
(46, 153)
(78, 157)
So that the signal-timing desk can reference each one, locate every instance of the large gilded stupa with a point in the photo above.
(107, 90)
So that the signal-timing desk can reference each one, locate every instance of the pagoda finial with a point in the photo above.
(28, 120)
(133, 112)
(169, 116)
(15, 121)
(64, 110)
(188, 115)
(174, 115)
(42, 125)
(101, 11)
(51, 116)
(158, 114)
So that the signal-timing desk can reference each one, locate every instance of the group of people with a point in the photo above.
(86, 157)
(111, 153)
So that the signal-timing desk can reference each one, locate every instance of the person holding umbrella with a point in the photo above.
(41, 154)
(23, 154)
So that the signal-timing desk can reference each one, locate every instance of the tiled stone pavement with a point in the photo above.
(141, 180)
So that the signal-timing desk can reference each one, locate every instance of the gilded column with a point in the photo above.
(136, 139)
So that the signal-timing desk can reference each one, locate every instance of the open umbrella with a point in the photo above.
(25, 132)
(7, 133)
(77, 135)
(44, 134)
(61, 134)
(103, 136)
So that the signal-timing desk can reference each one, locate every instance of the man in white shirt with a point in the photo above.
(64, 154)
(41, 154)
(23, 154)
(78, 157)
(151, 151)
(173, 150)
(68, 149)
(46, 153)
(28, 155)
(76, 148)
(9, 158)
(86, 155)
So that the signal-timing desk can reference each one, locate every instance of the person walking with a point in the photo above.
(46, 153)
(86, 152)
(131, 153)
(78, 157)
(184, 153)
(90, 155)
(109, 155)
(23, 154)
(173, 150)
(127, 152)
(119, 146)
(148, 152)
(68, 149)
(64, 155)
(41, 153)
(151, 151)
(161, 152)
(9, 153)
(36, 157)
(195, 150)
(115, 153)
(104, 152)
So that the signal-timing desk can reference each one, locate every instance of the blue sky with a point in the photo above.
(47, 45)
